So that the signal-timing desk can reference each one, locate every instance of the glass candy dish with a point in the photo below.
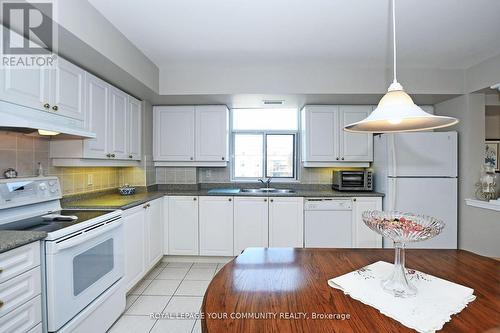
(402, 228)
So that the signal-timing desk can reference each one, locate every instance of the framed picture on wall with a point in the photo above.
(492, 148)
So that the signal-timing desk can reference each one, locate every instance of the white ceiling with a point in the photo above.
(431, 33)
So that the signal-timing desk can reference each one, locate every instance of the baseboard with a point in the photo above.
(201, 259)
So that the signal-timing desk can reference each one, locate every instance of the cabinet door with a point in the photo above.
(134, 132)
(216, 226)
(355, 147)
(27, 87)
(211, 133)
(364, 237)
(321, 133)
(286, 222)
(183, 225)
(118, 124)
(134, 240)
(67, 90)
(154, 226)
(174, 133)
(250, 223)
(96, 117)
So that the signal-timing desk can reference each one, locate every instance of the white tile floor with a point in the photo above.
(173, 287)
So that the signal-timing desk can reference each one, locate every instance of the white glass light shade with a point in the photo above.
(45, 132)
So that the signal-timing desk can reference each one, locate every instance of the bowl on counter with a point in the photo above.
(126, 190)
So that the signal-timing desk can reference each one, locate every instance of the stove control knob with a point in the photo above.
(42, 186)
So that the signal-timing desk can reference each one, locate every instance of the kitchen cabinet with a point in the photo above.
(134, 246)
(59, 90)
(20, 289)
(174, 133)
(67, 90)
(143, 240)
(154, 231)
(134, 122)
(190, 135)
(362, 236)
(355, 147)
(326, 144)
(216, 226)
(183, 225)
(286, 222)
(250, 223)
(115, 118)
(211, 130)
(118, 134)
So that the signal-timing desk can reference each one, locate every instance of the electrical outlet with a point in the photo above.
(90, 180)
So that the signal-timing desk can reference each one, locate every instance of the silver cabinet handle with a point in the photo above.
(130, 156)
(55, 108)
(108, 155)
(191, 158)
(342, 158)
(194, 199)
(337, 158)
(113, 155)
(223, 158)
(46, 105)
(145, 206)
(230, 199)
(271, 200)
(265, 200)
(1, 304)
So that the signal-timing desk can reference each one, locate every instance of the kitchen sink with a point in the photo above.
(268, 190)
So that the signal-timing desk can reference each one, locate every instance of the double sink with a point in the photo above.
(267, 190)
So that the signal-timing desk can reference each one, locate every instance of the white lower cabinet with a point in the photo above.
(183, 225)
(143, 240)
(20, 289)
(135, 238)
(286, 222)
(154, 230)
(362, 236)
(250, 223)
(216, 226)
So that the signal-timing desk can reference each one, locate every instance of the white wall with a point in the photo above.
(302, 78)
(483, 75)
(478, 229)
(86, 23)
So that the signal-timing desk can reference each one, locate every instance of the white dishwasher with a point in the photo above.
(328, 222)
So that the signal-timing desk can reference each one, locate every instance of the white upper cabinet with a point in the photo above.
(250, 223)
(28, 87)
(286, 222)
(115, 118)
(211, 132)
(68, 82)
(355, 147)
(183, 225)
(216, 226)
(324, 141)
(134, 122)
(190, 135)
(362, 236)
(320, 133)
(118, 136)
(174, 133)
(97, 117)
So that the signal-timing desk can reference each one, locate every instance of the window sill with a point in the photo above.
(482, 204)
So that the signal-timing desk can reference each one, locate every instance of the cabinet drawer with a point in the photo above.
(19, 260)
(24, 318)
(19, 290)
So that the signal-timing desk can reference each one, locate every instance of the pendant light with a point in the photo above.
(396, 111)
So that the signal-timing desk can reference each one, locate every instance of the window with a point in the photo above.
(264, 143)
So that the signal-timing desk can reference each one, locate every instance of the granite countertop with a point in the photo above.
(10, 239)
(117, 201)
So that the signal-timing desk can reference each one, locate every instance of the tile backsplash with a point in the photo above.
(23, 152)
(192, 175)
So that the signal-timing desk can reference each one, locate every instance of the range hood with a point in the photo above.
(27, 120)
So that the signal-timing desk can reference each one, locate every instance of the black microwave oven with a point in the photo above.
(344, 180)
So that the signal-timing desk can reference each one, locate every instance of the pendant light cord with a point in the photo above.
(394, 38)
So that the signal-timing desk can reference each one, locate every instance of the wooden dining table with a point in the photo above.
(286, 290)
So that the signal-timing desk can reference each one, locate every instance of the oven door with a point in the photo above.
(80, 267)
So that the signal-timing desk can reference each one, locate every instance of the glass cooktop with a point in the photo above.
(37, 223)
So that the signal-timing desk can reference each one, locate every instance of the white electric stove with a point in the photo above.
(83, 254)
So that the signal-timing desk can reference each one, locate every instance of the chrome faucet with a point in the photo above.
(266, 182)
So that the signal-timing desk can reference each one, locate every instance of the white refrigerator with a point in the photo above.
(417, 172)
